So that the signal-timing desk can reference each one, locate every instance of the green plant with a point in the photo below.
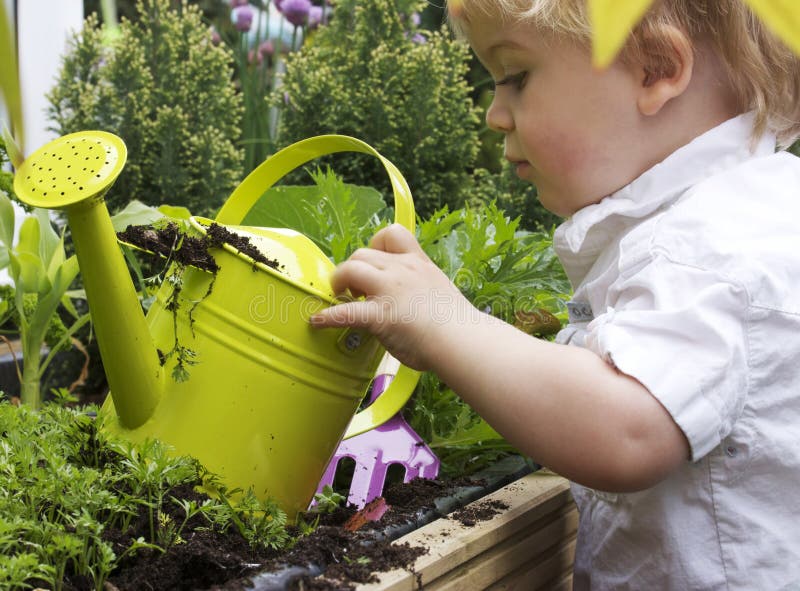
(258, 47)
(6, 178)
(372, 74)
(65, 485)
(328, 500)
(337, 216)
(40, 273)
(166, 90)
(506, 272)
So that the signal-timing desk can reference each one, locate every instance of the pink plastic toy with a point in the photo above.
(394, 442)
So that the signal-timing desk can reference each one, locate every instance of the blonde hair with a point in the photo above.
(764, 74)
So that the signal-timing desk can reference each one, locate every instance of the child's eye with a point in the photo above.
(517, 80)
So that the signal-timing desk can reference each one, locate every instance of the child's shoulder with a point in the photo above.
(748, 198)
(743, 222)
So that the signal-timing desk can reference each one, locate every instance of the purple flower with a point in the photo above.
(277, 3)
(236, 3)
(418, 38)
(314, 17)
(415, 19)
(243, 18)
(215, 37)
(266, 49)
(296, 11)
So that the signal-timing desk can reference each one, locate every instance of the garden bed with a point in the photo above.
(512, 528)
(527, 542)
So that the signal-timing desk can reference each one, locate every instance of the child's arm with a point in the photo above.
(564, 406)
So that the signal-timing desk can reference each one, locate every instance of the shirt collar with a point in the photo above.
(580, 239)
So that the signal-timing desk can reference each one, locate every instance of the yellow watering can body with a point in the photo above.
(268, 398)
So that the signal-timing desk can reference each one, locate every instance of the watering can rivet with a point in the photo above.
(353, 341)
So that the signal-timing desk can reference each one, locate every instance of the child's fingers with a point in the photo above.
(357, 276)
(396, 239)
(361, 314)
(376, 258)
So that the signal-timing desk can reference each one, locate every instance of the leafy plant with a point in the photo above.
(337, 216)
(328, 500)
(373, 74)
(257, 33)
(40, 273)
(65, 485)
(166, 90)
(506, 272)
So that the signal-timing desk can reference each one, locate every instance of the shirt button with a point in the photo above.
(731, 451)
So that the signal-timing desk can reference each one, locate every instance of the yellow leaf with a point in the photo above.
(612, 22)
(782, 17)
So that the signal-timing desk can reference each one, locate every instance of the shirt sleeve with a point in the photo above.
(682, 332)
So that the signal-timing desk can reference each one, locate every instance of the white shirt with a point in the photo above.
(692, 276)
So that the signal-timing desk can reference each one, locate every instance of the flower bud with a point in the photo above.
(243, 18)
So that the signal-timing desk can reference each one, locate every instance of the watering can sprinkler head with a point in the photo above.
(73, 173)
(70, 170)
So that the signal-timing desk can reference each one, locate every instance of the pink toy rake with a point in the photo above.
(393, 443)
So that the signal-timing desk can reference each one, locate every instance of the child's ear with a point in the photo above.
(668, 63)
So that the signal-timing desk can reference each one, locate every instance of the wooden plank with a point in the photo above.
(451, 544)
(537, 553)
(545, 573)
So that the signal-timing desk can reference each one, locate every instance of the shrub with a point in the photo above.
(372, 75)
(166, 90)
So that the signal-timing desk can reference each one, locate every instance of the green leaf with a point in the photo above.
(28, 273)
(175, 212)
(49, 240)
(6, 221)
(29, 237)
(337, 216)
(137, 213)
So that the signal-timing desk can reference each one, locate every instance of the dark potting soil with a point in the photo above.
(206, 559)
(168, 241)
(202, 558)
(480, 511)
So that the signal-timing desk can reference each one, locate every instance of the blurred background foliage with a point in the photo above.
(385, 71)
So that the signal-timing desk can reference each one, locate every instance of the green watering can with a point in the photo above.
(270, 398)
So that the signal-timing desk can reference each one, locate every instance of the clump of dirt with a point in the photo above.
(348, 558)
(483, 511)
(170, 242)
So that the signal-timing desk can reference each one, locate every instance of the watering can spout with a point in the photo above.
(73, 173)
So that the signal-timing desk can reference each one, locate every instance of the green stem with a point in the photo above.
(30, 388)
(109, 10)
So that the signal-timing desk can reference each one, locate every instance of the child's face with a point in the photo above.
(573, 131)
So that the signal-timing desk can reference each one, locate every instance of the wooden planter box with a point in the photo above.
(530, 545)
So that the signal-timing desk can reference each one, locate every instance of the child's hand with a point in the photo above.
(408, 298)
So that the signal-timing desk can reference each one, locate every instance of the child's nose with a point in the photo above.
(498, 117)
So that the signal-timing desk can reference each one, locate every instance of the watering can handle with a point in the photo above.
(276, 167)
(279, 164)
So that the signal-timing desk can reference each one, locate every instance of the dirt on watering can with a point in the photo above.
(169, 241)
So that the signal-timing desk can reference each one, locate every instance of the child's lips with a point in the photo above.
(521, 167)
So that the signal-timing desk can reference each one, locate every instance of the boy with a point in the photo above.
(672, 399)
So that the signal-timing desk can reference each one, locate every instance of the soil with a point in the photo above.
(210, 560)
(480, 511)
(170, 242)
